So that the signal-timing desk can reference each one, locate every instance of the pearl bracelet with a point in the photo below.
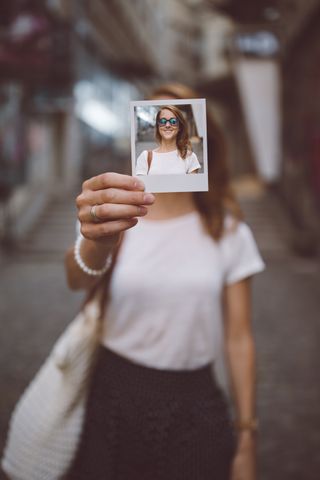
(83, 266)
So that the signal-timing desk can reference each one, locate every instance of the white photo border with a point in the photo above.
(172, 183)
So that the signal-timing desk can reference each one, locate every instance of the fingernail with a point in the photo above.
(148, 198)
(143, 211)
(138, 184)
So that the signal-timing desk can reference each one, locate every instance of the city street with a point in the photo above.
(82, 90)
(36, 305)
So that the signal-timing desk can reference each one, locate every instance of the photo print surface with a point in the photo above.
(169, 144)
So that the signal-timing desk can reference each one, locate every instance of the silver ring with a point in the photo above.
(93, 214)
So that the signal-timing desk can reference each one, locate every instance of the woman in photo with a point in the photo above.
(174, 154)
(179, 303)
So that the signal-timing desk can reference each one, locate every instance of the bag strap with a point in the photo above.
(149, 160)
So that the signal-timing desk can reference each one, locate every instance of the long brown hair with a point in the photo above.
(220, 199)
(212, 205)
(182, 141)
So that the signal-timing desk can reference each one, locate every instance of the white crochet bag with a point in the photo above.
(46, 423)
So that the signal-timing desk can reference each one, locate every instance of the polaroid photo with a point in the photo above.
(169, 144)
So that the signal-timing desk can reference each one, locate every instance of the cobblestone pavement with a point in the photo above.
(36, 305)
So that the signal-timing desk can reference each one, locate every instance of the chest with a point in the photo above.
(165, 266)
(167, 164)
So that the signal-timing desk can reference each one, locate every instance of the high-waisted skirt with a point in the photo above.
(149, 424)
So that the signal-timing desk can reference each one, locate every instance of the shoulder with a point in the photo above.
(191, 154)
(240, 251)
(238, 239)
(192, 158)
(235, 229)
(231, 224)
(143, 154)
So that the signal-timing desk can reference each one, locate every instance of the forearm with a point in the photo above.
(94, 255)
(241, 361)
(240, 351)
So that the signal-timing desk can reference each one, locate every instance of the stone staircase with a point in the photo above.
(267, 216)
(53, 234)
(270, 225)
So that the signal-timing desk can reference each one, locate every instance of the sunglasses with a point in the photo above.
(162, 122)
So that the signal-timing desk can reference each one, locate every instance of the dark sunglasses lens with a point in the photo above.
(173, 121)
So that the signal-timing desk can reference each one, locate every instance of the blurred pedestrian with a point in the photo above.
(174, 154)
(179, 297)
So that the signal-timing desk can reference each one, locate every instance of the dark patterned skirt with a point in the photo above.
(149, 424)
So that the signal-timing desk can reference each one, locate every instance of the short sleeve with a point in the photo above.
(192, 163)
(241, 254)
(142, 164)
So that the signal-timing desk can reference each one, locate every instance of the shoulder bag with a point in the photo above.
(149, 159)
(46, 424)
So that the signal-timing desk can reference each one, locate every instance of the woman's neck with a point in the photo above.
(167, 146)
(171, 205)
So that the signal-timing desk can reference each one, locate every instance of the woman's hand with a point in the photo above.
(244, 463)
(119, 200)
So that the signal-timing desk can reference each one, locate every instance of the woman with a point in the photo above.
(181, 277)
(174, 155)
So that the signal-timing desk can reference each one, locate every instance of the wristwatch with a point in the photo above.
(250, 424)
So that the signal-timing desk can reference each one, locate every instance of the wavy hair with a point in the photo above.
(183, 143)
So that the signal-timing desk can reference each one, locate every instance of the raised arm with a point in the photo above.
(119, 200)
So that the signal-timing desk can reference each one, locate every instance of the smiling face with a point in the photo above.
(168, 131)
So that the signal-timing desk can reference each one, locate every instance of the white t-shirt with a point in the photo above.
(166, 163)
(165, 308)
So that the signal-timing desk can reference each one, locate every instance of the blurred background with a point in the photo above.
(68, 70)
